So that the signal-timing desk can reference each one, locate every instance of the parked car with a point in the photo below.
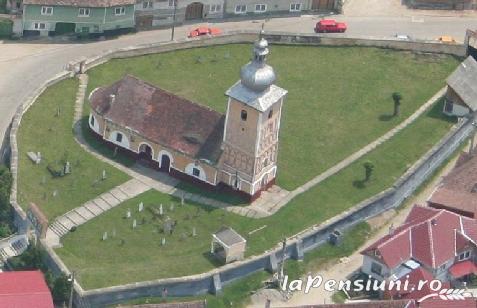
(402, 37)
(204, 31)
(446, 39)
(330, 26)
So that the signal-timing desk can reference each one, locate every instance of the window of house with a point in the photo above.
(270, 114)
(120, 10)
(83, 12)
(215, 8)
(195, 172)
(91, 121)
(240, 9)
(376, 268)
(39, 26)
(295, 7)
(119, 137)
(243, 115)
(46, 10)
(464, 256)
(147, 5)
(260, 8)
(171, 3)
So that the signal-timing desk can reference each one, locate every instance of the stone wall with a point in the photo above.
(306, 240)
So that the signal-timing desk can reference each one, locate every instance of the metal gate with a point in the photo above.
(194, 11)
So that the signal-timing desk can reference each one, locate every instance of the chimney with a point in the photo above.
(112, 98)
(434, 222)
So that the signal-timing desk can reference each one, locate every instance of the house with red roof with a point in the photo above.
(431, 244)
(24, 289)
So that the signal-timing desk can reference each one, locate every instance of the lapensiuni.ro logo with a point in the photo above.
(371, 285)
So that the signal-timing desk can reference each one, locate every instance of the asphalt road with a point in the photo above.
(24, 66)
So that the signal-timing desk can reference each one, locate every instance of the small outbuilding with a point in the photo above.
(227, 245)
(461, 96)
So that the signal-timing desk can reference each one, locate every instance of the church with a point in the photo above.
(237, 151)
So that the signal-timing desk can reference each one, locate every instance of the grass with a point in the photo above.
(41, 130)
(99, 264)
(339, 98)
(237, 294)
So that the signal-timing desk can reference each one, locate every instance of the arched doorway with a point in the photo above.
(165, 163)
(145, 151)
(194, 11)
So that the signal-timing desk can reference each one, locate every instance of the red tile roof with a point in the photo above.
(428, 236)
(463, 268)
(24, 289)
(458, 190)
(439, 303)
(162, 117)
(370, 304)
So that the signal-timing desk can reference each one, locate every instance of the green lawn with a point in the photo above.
(339, 98)
(102, 264)
(41, 130)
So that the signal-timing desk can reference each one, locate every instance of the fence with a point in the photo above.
(308, 239)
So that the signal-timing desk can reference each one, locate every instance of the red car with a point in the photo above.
(205, 31)
(330, 25)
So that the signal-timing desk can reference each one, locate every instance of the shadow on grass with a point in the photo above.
(101, 147)
(386, 117)
(360, 184)
(218, 195)
(212, 259)
(436, 112)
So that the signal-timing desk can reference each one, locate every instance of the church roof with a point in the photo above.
(260, 101)
(161, 117)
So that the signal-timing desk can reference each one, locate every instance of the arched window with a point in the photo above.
(119, 137)
(243, 115)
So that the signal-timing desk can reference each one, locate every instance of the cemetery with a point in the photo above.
(155, 235)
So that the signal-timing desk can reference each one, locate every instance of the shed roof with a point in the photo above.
(464, 82)
(24, 289)
(229, 236)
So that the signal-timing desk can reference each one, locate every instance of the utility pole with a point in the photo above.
(72, 288)
(174, 20)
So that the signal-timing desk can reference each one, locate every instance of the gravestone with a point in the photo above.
(128, 214)
(163, 241)
(171, 207)
(141, 207)
(161, 210)
(168, 226)
(105, 235)
(103, 175)
(182, 199)
(34, 157)
(67, 168)
(134, 224)
(194, 232)
(55, 193)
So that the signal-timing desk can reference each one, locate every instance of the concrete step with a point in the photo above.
(58, 229)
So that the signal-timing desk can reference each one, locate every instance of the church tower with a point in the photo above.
(250, 144)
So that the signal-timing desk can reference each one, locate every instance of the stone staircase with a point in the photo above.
(12, 247)
(108, 200)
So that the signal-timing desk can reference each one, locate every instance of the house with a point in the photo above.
(457, 191)
(431, 244)
(14, 6)
(151, 13)
(237, 150)
(24, 289)
(47, 17)
(461, 96)
(443, 4)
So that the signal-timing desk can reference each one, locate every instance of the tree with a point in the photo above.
(6, 211)
(61, 288)
(368, 169)
(397, 97)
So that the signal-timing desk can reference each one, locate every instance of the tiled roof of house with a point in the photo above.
(81, 3)
(371, 304)
(462, 81)
(162, 117)
(458, 189)
(428, 236)
(24, 289)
